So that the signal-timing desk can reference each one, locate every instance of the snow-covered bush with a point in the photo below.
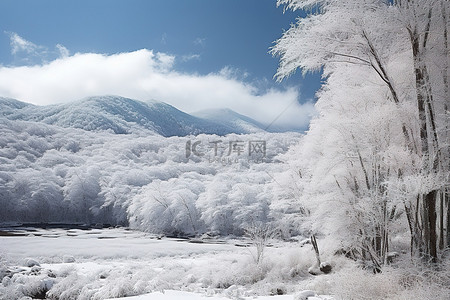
(355, 283)
(260, 235)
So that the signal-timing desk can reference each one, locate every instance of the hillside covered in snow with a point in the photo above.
(123, 115)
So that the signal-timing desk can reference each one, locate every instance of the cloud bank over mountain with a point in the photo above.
(145, 75)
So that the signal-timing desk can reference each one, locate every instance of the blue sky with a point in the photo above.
(204, 40)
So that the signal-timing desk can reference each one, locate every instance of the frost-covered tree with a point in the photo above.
(427, 27)
(168, 207)
(81, 192)
(7, 201)
(383, 120)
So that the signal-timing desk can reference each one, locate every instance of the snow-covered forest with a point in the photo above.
(379, 151)
(370, 178)
(52, 174)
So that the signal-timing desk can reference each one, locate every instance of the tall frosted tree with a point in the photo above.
(396, 51)
(81, 192)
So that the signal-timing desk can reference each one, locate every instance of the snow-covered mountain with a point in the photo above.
(10, 106)
(123, 115)
(231, 119)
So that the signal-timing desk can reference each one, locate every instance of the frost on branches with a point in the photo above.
(375, 162)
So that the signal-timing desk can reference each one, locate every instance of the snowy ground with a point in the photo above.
(173, 295)
(120, 263)
(112, 263)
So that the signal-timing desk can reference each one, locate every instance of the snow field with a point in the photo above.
(115, 263)
(131, 263)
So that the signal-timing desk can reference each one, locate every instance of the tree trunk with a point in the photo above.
(430, 219)
(445, 232)
(428, 139)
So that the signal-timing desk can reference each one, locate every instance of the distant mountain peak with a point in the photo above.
(231, 119)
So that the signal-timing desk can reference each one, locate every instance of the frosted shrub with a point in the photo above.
(357, 284)
(117, 288)
(260, 235)
(66, 271)
(3, 270)
(422, 292)
(32, 285)
(35, 288)
(407, 283)
(419, 282)
(9, 293)
(68, 288)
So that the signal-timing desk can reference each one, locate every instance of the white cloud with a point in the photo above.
(27, 52)
(200, 42)
(231, 72)
(19, 44)
(190, 57)
(145, 75)
(63, 51)
(164, 38)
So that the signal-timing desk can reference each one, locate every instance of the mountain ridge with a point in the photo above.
(124, 115)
